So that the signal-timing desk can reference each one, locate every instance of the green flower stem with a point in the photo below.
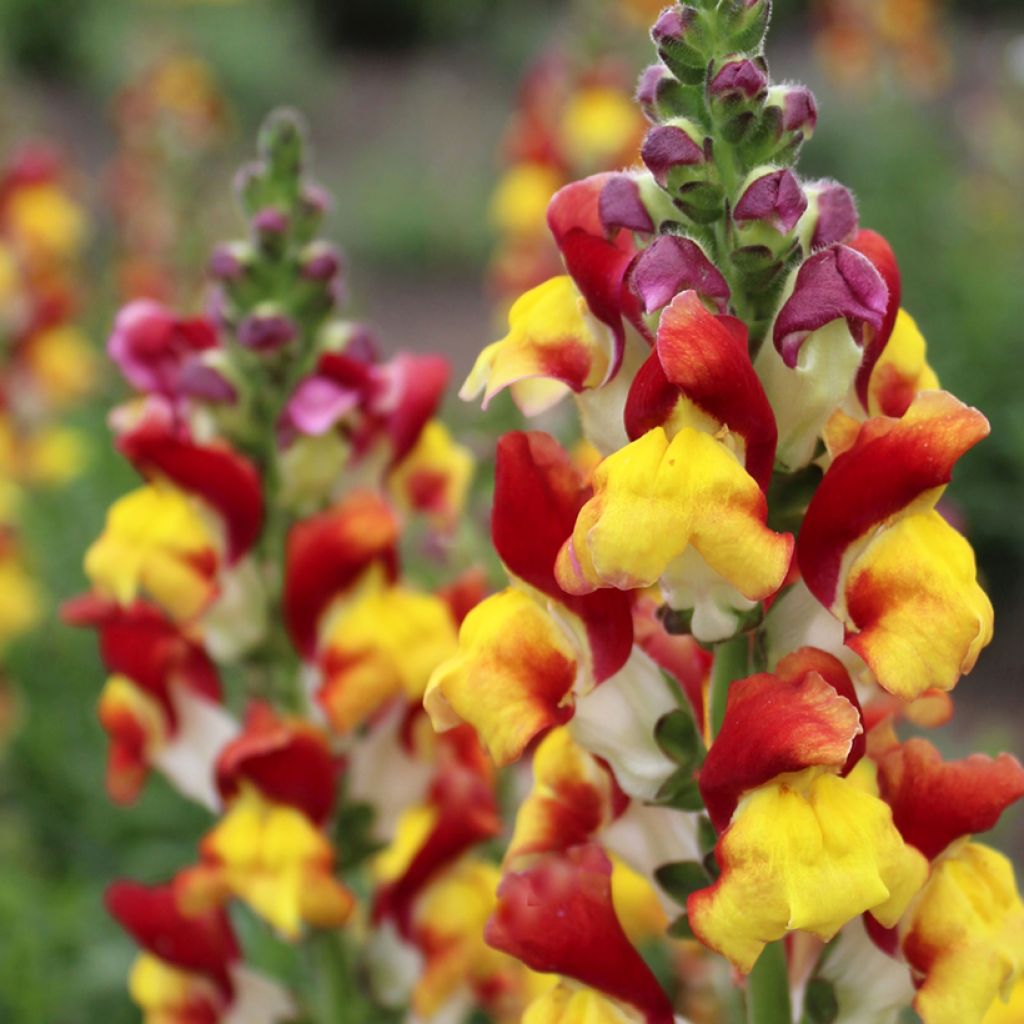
(732, 661)
(768, 988)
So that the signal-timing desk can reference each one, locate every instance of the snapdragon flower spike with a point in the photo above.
(695, 409)
(528, 651)
(792, 820)
(874, 551)
(190, 970)
(557, 916)
(277, 779)
(161, 707)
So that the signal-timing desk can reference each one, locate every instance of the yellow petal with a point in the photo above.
(655, 498)
(156, 541)
(568, 1003)
(809, 853)
(551, 335)
(511, 678)
(966, 936)
(388, 642)
(921, 619)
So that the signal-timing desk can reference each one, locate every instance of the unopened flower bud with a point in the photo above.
(229, 262)
(672, 264)
(320, 261)
(770, 199)
(799, 109)
(683, 39)
(203, 378)
(270, 222)
(281, 142)
(743, 23)
(831, 216)
(739, 79)
(652, 82)
(266, 331)
(674, 150)
(250, 185)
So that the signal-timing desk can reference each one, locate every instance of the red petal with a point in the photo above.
(203, 942)
(708, 361)
(287, 760)
(537, 494)
(890, 464)
(215, 473)
(557, 917)
(935, 802)
(772, 726)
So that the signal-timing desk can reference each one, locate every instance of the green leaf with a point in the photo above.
(682, 878)
(681, 792)
(678, 738)
(680, 928)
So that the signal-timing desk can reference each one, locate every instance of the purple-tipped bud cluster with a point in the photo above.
(229, 262)
(270, 222)
(320, 261)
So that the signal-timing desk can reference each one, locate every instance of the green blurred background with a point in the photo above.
(407, 100)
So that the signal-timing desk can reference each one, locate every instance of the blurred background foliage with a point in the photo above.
(407, 101)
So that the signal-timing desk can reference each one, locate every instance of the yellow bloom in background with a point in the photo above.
(63, 364)
(600, 124)
(20, 600)
(519, 205)
(45, 222)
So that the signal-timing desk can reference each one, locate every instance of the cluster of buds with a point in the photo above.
(861, 43)
(171, 119)
(720, 621)
(47, 364)
(268, 655)
(573, 117)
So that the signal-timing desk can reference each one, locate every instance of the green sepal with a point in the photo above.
(820, 1003)
(742, 27)
(680, 791)
(701, 201)
(677, 735)
(682, 878)
(680, 928)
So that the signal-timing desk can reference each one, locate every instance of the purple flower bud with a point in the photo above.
(836, 282)
(673, 23)
(199, 380)
(648, 86)
(668, 146)
(226, 263)
(673, 264)
(266, 332)
(320, 262)
(739, 78)
(775, 198)
(270, 221)
(316, 199)
(837, 214)
(620, 206)
(799, 110)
